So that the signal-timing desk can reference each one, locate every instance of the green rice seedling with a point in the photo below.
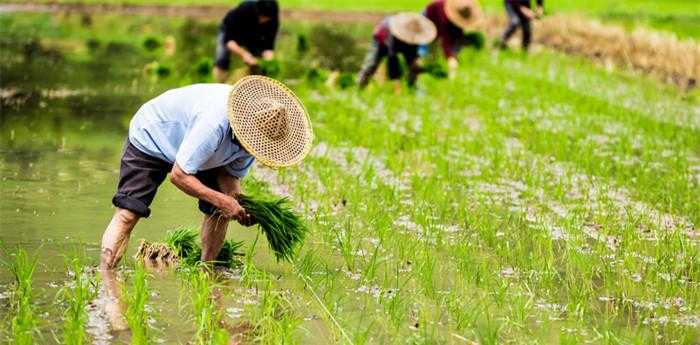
(283, 228)
(207, 314)
(184, 242)
(250, 274)
(151, 43)
(77, 296)
(136, 298)
(436, 70)
(203, 67)
(273, 318)
(270, 68)
(346, 80)
(302, 44)
(23, 323)
(475, 39)
(228, 256)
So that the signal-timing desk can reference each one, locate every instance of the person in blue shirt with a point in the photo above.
(206, 136)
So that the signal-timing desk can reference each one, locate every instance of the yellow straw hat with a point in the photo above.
(463, 13)
(412, 28)
(269, 121)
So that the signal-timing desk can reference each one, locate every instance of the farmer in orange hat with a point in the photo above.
(249, 31)
(520, 14)
(452, 18)
(400, 34)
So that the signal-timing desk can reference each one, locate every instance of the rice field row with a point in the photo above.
(533, 199)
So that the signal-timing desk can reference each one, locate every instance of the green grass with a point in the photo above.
(136, 297)
(24, 321)
(205, 307)
(77, 296)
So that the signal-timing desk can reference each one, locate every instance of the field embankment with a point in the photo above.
(661, 55)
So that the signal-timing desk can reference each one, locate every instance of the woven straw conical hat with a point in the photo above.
(269, 121)
(412, 28)
(463, 13)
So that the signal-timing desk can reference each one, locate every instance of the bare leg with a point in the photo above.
(114, 307)
(213, 234)
(220, 75)
(116, 237)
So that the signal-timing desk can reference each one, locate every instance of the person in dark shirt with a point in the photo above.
(520, 14)
(451, 18)
(400, 34)
(249, 31)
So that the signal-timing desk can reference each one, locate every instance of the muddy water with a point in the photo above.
(63, 124)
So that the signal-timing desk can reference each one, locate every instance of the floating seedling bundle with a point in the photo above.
(181, 247)
(282, 227)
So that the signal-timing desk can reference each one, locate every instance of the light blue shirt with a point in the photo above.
(189, 126)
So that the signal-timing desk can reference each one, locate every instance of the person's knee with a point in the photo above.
(126, 217)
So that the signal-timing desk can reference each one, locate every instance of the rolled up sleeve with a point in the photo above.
(197, 147)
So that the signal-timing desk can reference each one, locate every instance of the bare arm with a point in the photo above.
(527, 12)
(268, 55)
(189, 184)
(247, 57)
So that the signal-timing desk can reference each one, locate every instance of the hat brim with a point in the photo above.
(247, 99)
(398, 28)
(452, 12)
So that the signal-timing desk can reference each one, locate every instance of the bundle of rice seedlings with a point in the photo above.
(436, 70)
(269, 68)
(158, 253)
(228, 255)
(183, 241)
(475, 39)
(283, 228)
(180, 246)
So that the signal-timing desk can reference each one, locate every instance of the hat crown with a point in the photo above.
(465, 11)
(414, 26)
(272, 119)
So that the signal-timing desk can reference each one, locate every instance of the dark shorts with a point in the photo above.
(223, 55)
(140, 175)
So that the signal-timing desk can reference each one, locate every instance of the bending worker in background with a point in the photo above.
(520, 14)
(452, 18)
(400, 34)
(249, 31)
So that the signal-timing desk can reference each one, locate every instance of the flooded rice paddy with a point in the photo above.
(532, 200)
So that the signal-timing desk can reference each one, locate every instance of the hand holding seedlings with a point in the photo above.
(230, 208)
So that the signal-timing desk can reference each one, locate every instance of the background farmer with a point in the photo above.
(206, 136)
(451, 18)
(520, 15)
(248, 31)
(397, 35)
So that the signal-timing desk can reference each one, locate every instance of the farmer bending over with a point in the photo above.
(248, 31)
(206, 136)
(520, 15)
(397, 35)
(451, 18)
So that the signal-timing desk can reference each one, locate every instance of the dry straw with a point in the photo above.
(660, 54)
